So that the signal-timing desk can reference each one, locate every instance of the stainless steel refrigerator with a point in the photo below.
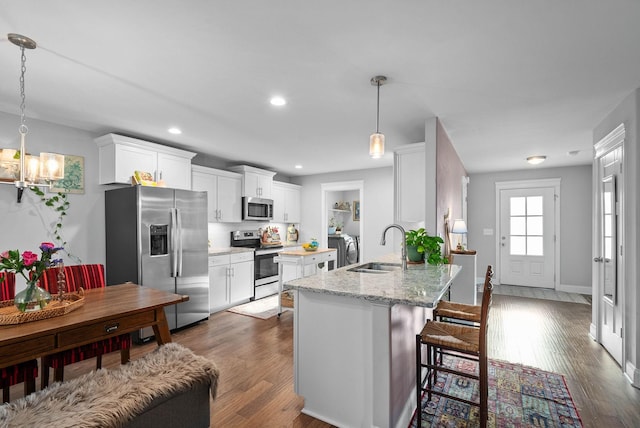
(157, 237)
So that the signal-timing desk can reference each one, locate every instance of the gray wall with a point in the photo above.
(575, 218)
(26, 225)
(627, 112)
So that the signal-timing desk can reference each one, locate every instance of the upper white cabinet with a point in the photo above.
(409, 186)
(224, 191)
(256, 182)
(120, 156)
(286, 202)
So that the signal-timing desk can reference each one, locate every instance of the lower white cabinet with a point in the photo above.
(230, 280)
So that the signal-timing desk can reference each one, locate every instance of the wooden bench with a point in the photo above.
(169, 387)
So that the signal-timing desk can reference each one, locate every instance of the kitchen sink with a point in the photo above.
(376, 267)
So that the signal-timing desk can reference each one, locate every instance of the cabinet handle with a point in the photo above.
(111, 328)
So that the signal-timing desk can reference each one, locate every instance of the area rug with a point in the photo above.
(263, 308)
(519, 396)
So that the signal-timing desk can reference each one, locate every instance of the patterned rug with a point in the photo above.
(519, 396)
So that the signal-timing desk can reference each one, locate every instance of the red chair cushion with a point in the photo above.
(7, 286)
(18, 373)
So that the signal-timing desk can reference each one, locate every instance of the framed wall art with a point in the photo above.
(356, 210)
(73, 181)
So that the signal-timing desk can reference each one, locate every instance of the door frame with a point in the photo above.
(529, 184)
(340, 186)
(611, 141)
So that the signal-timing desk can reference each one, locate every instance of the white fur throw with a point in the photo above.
(109, 398)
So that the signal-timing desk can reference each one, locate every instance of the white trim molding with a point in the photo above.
(632, 373)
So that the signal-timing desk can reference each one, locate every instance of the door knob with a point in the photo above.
(597, 259)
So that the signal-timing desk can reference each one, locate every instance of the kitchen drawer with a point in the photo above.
(28, 348)
(319, 258)
(242, 257)
(101, 330)
(222, 260)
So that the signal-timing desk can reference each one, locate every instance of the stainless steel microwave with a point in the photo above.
(257, 208)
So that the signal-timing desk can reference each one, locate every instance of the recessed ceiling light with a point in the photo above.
(278, 101)
(535, 160)
(298, 167)
(174, 131)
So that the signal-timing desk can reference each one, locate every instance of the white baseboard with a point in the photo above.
(580, 289)
(632, 373)
(593, 332)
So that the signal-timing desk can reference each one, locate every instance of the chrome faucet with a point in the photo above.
(383, 241)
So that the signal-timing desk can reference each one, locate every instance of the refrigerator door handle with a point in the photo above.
(179, 218)
(174, 246)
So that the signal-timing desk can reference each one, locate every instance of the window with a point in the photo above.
(526, 225)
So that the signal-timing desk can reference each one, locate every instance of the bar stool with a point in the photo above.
(26, 372)
(457, 312)
(442, 338)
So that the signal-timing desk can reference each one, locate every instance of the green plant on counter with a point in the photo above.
(428, 246)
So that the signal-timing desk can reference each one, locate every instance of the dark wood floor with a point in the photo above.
(256, 360)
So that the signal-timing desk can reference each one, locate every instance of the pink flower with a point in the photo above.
(4, 255)
(29, 258)
(47, 245)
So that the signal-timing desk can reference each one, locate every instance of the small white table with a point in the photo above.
(304, 263)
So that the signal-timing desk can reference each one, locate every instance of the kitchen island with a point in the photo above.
(354, 341)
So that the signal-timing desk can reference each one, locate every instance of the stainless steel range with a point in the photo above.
(265, 269)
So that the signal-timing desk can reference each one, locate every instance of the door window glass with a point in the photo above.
(526, 222)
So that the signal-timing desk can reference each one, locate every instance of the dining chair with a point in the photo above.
(87, 276)
(443, 338)
(461, 313)
(18, 373)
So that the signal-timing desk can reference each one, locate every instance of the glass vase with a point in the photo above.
(32, 298)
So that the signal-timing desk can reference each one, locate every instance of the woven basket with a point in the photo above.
(286, 299)
(9, 314)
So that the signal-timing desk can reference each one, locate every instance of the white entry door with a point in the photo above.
(527, 236)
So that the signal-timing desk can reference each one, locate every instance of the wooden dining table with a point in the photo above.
(106, 312)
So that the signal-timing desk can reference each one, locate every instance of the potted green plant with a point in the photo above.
(415, 244)
(421, 246)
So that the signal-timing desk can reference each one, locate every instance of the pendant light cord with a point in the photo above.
(377, 109)
(23, 127)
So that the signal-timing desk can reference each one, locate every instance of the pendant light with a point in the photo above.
(376, 141)
(31, 170)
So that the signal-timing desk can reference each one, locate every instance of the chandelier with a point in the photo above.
(29, 170)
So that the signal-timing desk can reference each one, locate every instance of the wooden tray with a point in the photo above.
(9, 314)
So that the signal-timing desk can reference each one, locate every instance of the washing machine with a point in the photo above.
(348, 249)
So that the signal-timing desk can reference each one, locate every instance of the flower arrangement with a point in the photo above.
(31, 269)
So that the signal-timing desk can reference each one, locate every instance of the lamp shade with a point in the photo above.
(376, 145)
(459, 226)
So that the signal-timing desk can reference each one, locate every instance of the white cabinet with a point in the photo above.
(230, 280)
(286, 202)
(409, 183)
(120, 156)
(256, 182)
(224, 191)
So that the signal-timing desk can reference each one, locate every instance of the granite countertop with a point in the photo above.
(221, 251)
(420, 285)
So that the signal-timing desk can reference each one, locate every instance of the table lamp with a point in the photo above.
(459, 228)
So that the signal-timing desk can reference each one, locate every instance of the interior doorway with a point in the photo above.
(527, 248)
(356, 223)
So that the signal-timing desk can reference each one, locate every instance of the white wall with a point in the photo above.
(575, 218)
(376, 210)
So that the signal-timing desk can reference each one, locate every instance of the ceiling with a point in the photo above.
(507, 78)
